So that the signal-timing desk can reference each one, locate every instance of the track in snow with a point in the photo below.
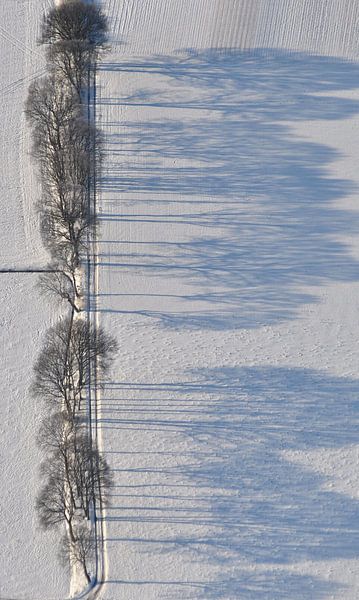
(228, 268)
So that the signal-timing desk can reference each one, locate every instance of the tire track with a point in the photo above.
(93, 318)
(17, 43)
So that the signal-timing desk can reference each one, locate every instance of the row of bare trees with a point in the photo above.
(72, 350)
(67, 148)
(75, 475)
(66, 144)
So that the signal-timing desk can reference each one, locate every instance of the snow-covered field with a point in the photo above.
(28, 563)
(229, 271)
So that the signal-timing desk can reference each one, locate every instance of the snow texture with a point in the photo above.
(228, 268)
(229, 271)
(28, 563)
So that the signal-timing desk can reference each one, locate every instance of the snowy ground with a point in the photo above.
(229, 271)
(28, 563)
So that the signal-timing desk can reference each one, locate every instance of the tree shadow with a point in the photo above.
(232, 167)
(236, 501)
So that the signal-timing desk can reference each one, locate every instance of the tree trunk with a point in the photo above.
(86, 573)
(71, 531)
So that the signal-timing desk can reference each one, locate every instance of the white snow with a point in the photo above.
(229, 270)
(28, 562)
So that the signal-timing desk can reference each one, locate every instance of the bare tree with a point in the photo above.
(82, 551)
(56, 433)
(66, 145)
(75, 472)
(55, 369)
(68, 150)
(73, 60)
(92, 351)
(59, 466)
(75, 33)
(60, 285)
(75, 20)
(54, 506)
(72, 351)
(65, 241)
(69, 162)
(62, 279)
(73, 459)
(51, 105)
(92, 474)
(66, 213)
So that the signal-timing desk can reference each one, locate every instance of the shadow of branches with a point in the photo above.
(227, 159)
(242, 505)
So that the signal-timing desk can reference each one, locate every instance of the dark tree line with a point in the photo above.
(66, 145)
(67, 148)
(75, 34)
(71, 351)
(74, 472)
(72, 460)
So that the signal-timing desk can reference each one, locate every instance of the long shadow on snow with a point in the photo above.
(264, 197)
(258, 508)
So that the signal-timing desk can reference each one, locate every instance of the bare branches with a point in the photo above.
(91, 474)
(73, 60)
(55, 370)
(60, 285)
(71, 350)
(75, 20)
(74, 474)
(51, 104)
(81, 552)
(76, 34)
(67, 147)
(56, 433)
(53, 506)
(74, 461)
